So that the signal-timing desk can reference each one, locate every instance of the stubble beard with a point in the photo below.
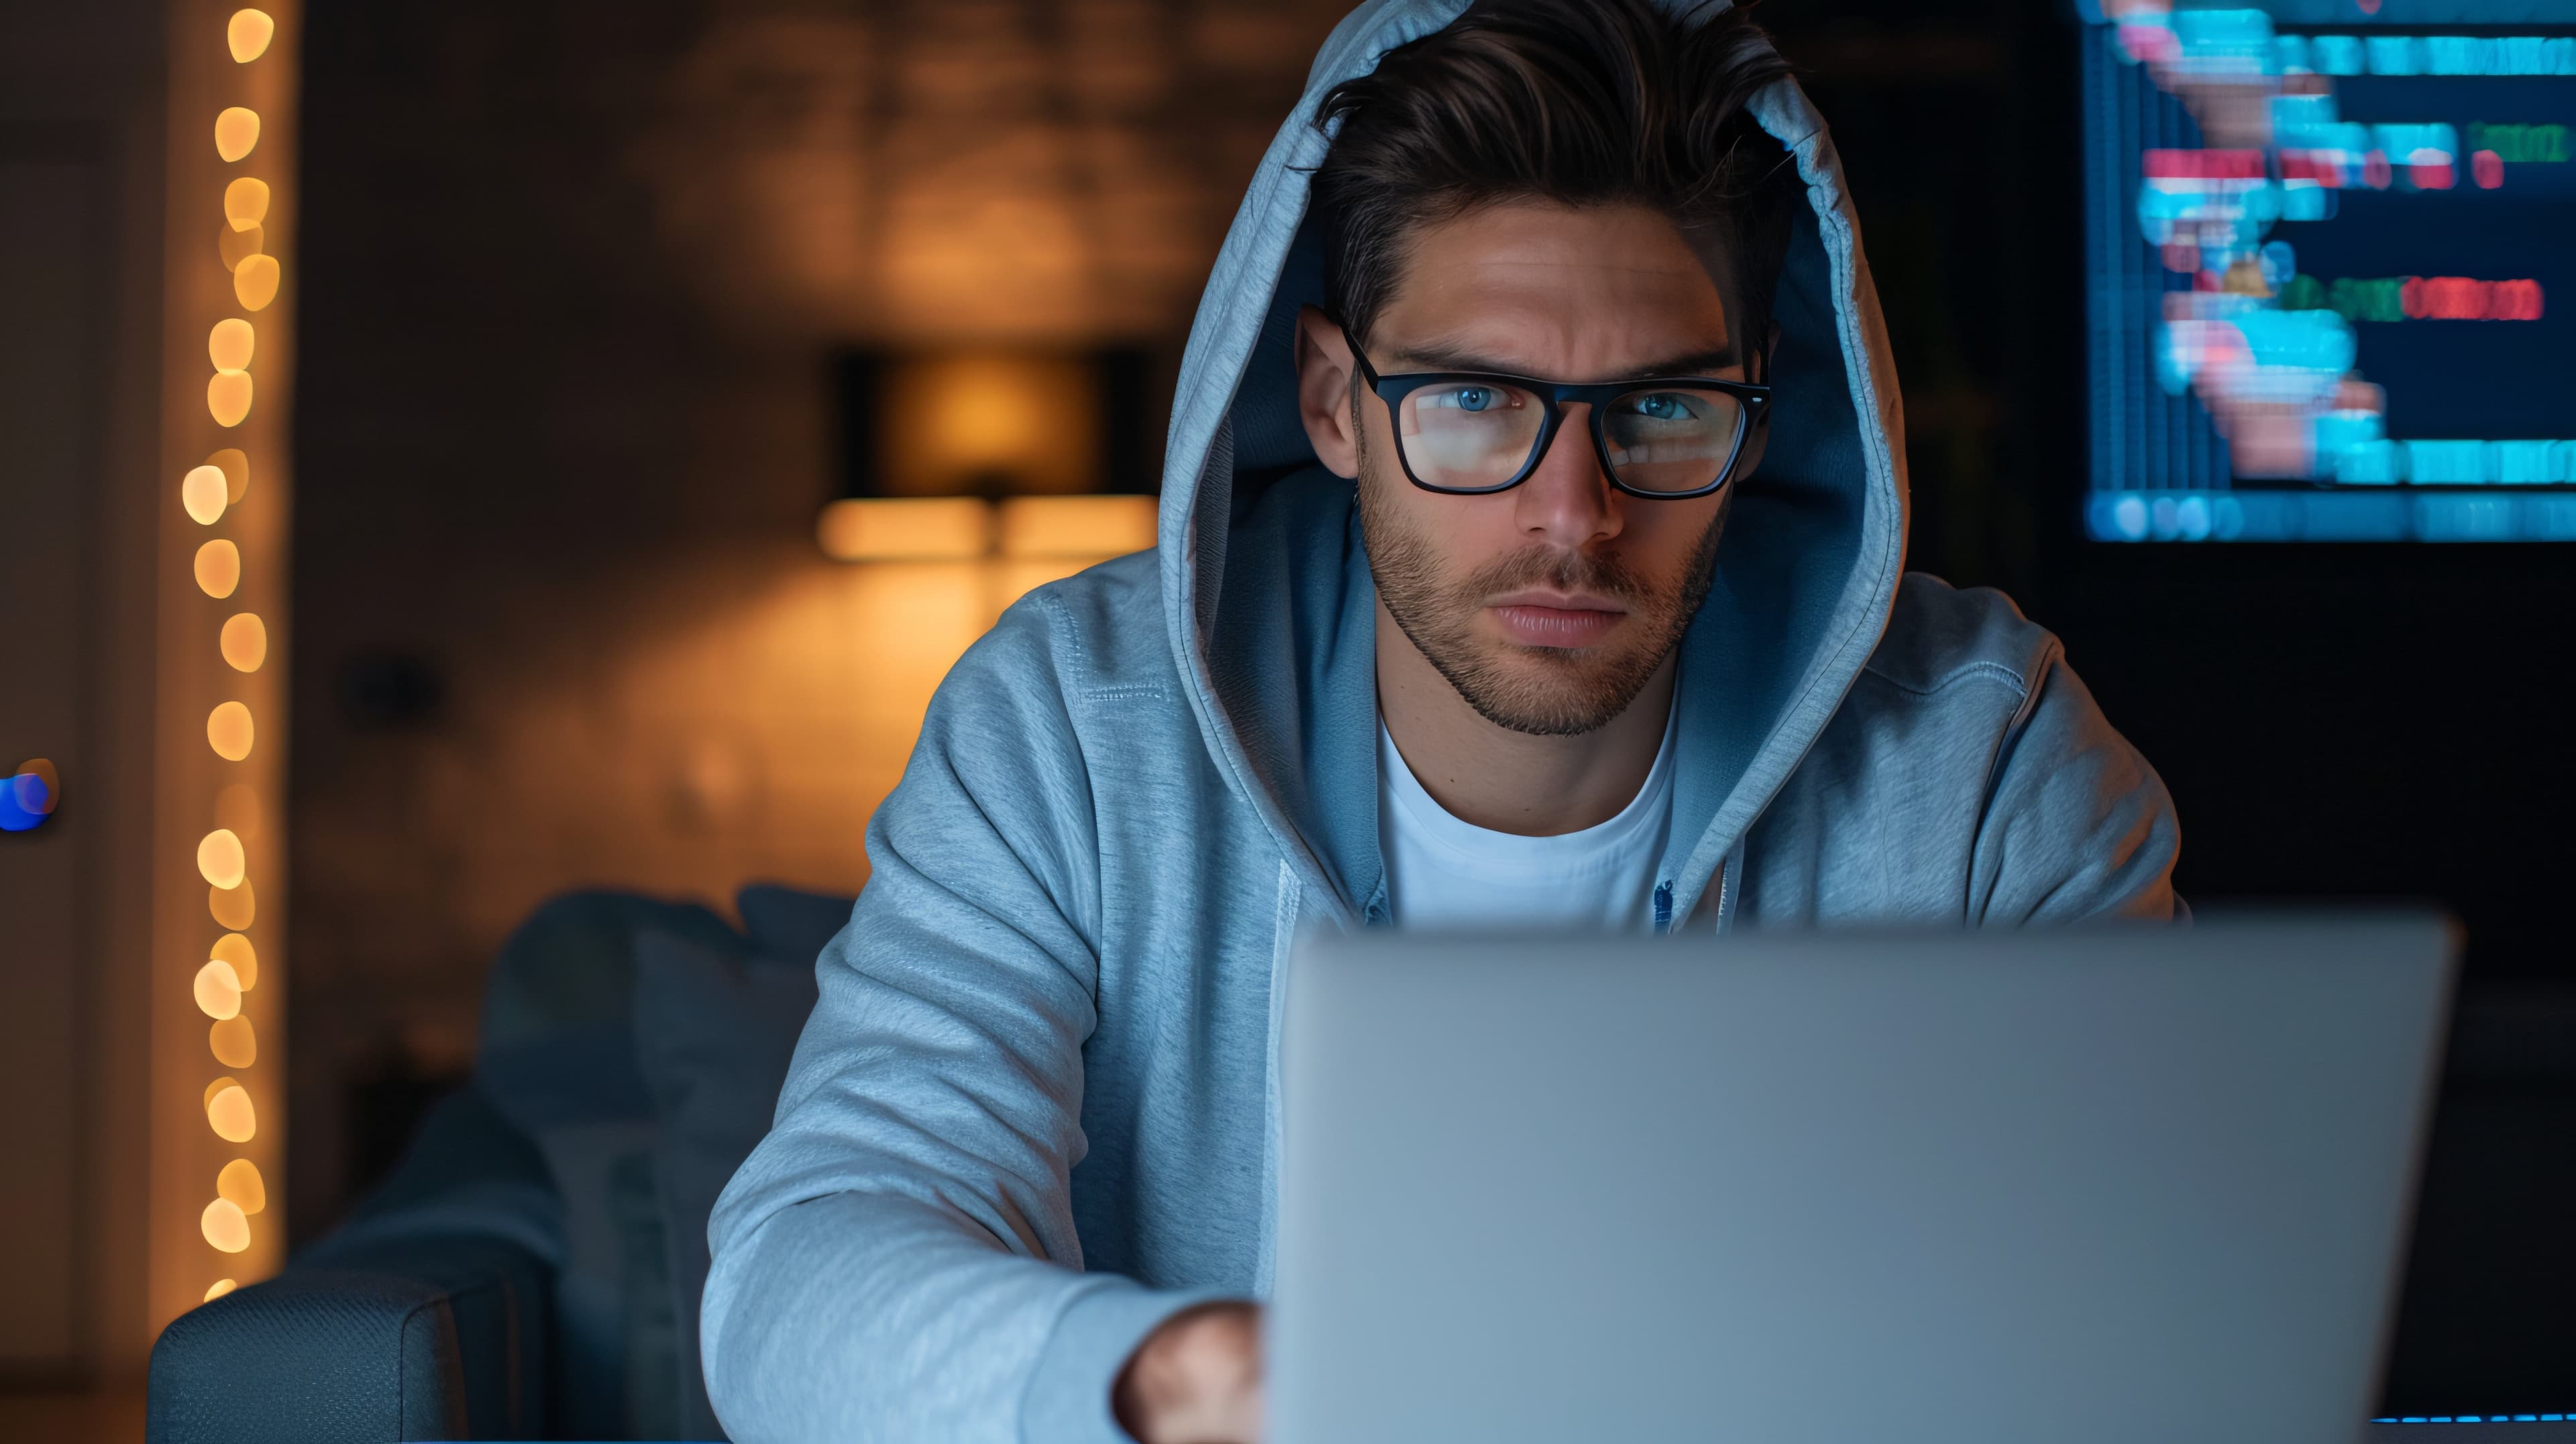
(1539, 691)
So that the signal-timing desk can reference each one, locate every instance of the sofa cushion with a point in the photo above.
(714, 1032)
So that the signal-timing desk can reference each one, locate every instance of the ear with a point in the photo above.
(1324, 392)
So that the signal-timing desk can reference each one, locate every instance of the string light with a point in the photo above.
(229, 1112)
(209, 493)
(228, 731)
(201, 491)
(234, 1042)
(246, 203)
(236, 132)
(236, 469)
(234, 907)
(218, 991)
(224, 1227)
(244, 642)
(247, 34)
(218, 569)
(234, 951)
(255, 281)
(241, 1186)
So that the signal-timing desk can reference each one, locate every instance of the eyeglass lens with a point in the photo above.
(1473, 435)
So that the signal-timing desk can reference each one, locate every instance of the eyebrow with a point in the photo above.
(1445, 356)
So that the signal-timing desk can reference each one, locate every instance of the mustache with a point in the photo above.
(1564, 571)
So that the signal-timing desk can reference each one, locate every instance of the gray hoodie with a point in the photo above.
(1035, 1111)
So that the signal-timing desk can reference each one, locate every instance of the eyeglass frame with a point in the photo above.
(1553, 396)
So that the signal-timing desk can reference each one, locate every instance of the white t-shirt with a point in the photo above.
(1444, 873)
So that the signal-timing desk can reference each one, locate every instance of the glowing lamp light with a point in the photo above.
(246, 203)
(236, 132)
(255, 281)
(221, 1288)
(220, 860)
(228, 731)
(217, 991)
(236, 469)
(231, 343)
(235, 951)
(930, 528)
(229, 1113)
(233, 907)
(218, 569)
(228, 397)
(244, 642)
(1076, 526)
(247, 35)
(233, 1041)
(238, 246)
(224, 1226)
(241, 1185)
(201, 491)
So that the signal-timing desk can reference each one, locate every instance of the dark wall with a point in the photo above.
(573, 273)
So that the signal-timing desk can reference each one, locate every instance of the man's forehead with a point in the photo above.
(1554, 291)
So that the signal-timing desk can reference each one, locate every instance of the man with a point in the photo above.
(1469, 608)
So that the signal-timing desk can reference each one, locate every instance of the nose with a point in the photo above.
(1567, 502)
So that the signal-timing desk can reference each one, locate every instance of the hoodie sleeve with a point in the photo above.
(2076, 824)
(898, 1260)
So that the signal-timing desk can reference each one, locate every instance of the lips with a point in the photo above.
(1556, 621)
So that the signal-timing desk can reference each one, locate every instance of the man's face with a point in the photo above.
(1551, 605)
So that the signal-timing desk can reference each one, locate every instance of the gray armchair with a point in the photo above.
(532, 1268)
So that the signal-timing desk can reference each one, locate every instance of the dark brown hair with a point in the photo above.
(1580, 102)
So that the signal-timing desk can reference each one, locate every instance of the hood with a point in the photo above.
(1272, 626)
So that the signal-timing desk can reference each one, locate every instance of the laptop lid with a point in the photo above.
(2112, 1185)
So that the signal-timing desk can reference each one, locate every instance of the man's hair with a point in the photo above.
(1579, 102)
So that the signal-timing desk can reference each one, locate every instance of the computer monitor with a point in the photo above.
(2331, 250)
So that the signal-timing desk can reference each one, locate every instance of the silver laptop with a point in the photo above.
(2090, 1185)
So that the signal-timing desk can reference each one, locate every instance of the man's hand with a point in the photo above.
(1196, 1379)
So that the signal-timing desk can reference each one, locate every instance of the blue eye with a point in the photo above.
(1474, 398)
(1663, 406)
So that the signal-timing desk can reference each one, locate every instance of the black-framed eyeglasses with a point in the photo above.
(1468, 433)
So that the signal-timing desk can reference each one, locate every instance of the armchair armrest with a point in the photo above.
(408, 1338)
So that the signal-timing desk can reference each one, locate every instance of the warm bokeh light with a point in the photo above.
(246, 203)
(220, 859)
(221, 1288)
(233, 907)
(255, 281)
(236, 132)
(228, 397)
(201, 491)
(217, 991)
(235, 465)
(234, 1042)
(237, 808)
(1076, 526)
(235, 950)
(905, 529)
(218, 569)
(244, 642)
(1017, 423)
(224, 1226)
(241, 1185)
(229, 1113)
(238, 246)
(228, 731)
(231, 343)
(247, 35)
